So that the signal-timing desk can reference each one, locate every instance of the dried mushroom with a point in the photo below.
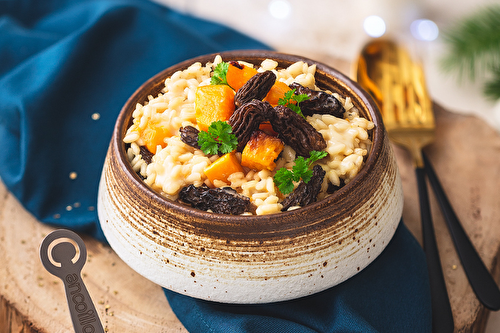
(236, 64)
(218, 200)
(256, 87)
(189, 135)
(305, 194)
(319, 102)
(333, 188)
(147, 156)
(296, 132)
(247, 118)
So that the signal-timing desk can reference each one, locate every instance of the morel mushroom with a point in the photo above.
(256, 87)
(189, 135)
(218, 200)
(319, 102)
(247, 118)
(306, 194)
(296, 132)
(147, 156)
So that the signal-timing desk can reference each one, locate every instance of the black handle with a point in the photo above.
(442, 317)
(479, 277)
(81, 309)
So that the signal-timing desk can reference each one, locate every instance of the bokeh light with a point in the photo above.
(280, 9)
(374, 26)
(424, 30)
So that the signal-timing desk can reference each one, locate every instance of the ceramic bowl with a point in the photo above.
(252, 259)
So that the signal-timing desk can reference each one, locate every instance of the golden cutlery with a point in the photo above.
(386, 71)
(397, 84)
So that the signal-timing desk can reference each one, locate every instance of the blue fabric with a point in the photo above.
(66, 69)
(61, 62)
(390, 295)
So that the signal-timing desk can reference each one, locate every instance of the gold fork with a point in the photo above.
(386, 71)
(397, 84)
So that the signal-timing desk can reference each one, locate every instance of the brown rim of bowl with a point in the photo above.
(155, 84)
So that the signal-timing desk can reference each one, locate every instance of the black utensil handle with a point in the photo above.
(81, 309)
(480, 279)
(442, 317)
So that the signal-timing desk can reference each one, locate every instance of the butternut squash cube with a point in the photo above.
(237, 77)
(213, 103)
(261, 151)
(153, 135)
(277, 92)
(223, 167)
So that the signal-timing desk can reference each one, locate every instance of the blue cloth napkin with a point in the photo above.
(66, 69)
(390, 295)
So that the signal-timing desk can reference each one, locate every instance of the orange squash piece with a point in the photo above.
(277, 92)
(261, 151)
(267, 128)
(212, 103)
(153, 136)
(223, 167)
(236, 77)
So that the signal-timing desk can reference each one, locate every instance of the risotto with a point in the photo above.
(168, 164)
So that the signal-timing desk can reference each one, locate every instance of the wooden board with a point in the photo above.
(466, 156)
(125, 301)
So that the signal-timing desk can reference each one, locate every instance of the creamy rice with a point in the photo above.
(176, 164)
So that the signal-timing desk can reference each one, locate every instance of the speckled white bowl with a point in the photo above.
(252, 259)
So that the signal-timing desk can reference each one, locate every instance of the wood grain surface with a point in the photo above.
(466, 156)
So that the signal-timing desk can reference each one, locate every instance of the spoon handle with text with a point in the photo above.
(63, 254)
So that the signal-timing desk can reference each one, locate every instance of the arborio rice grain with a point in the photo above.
(178, 165)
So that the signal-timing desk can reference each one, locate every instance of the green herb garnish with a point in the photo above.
(218, 138)
(285, 178)
(220, 71)
(291, 101)
(472, 48)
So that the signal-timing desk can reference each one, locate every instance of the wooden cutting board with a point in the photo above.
(466, 156)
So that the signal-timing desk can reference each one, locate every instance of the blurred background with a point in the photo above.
(334, 31)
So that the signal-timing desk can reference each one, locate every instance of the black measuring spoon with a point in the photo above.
(62, 258)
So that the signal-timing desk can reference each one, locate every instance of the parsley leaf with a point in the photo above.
(207, 143)
(284, 178)
(291, 101)
(316, 156)
(300, 169)
(223, 132)
(220, 71)
(218, 138)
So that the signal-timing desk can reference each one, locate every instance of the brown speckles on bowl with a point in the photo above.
(252, 259)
